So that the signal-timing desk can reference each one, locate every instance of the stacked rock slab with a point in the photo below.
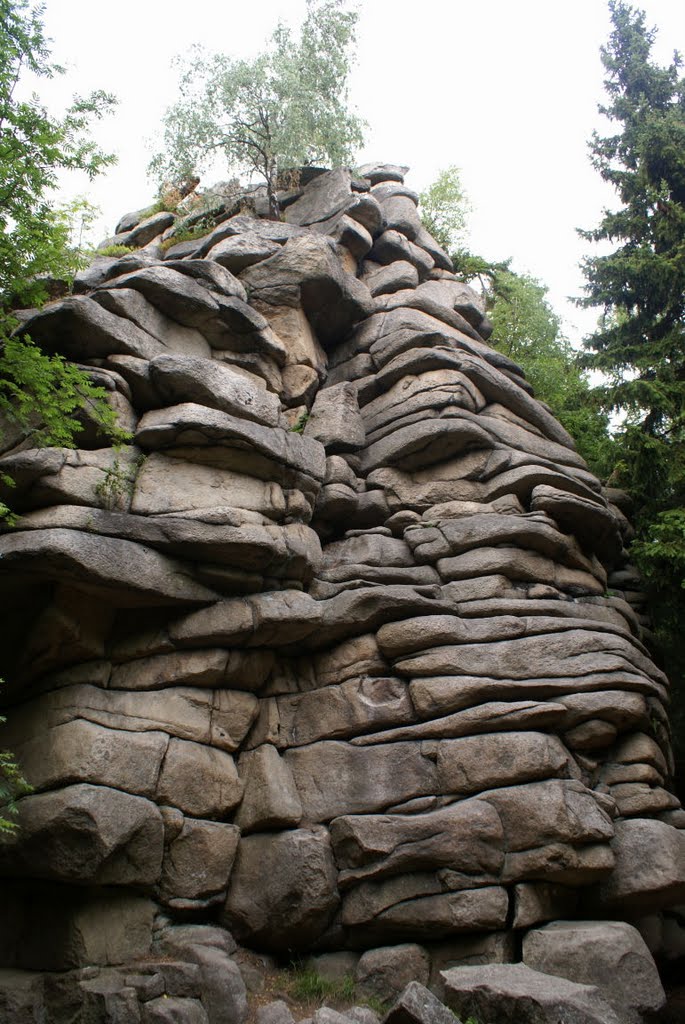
(328, 654)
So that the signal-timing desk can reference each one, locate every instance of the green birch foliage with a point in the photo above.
(445, 209)
(286, 107)
(35, 146)
(40, 394)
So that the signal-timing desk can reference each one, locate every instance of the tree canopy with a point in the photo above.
(35, 146)
(445, 208)
(286, 107)
(39, 393)
(639, 345)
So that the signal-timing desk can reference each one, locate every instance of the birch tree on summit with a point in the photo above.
(286, 107)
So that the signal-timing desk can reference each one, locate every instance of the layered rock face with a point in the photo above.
(338, 652)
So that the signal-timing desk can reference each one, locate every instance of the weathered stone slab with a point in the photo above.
(384, 973)
(334, 778)
(464, 837)
(476, 763)
(86, 834)
(167, 484)
(271, 799)
(80, 328)
(131, 305)
(530, 997)
(56, 928)
(650, 866)
(307, 273)
(551, 811)
(198, 862)
(335, 421)
(195, 426)
(609, 954)
(213, 384)
(81, 751)
(445, 914)
(201, 781)
(283, 891)
(237, 252)
(128, 574)
(334, 712)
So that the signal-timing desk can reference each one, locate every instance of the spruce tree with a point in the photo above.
(639, 345)
(640, 285)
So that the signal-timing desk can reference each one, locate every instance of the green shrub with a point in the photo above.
(115, 250)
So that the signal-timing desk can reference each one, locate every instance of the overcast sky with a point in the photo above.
(507, 91)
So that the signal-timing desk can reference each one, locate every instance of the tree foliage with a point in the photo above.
(35, 146)
(38, 393)
(445, 208)
(640, 284)
(286, 107)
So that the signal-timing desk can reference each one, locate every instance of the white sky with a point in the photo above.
(505, 89)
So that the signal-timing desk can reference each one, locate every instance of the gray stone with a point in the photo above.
(198, 862)
(195, 426)
(383, 973)
(307, 272)
(213, 384)
(334, 966)
(85, 752)
(517, 992)
(465, 837)
(56, 928)
(271, 800)
(143, 231)
(173, 1010)
(87, 834)
(609, 954)
(237, 252)
(276, 1012)
(334, 712)
(335, 420)
(650, 866)
(333, 778)
(391, 278)
(441, 915)
(349, 233)
(417, 1005)
(391, 247)
(127, 574)
(79, 327)
(131, 305)
(283, 892)
(375, 172)
(469, 951)
(199, 780)
(325, 196)
(21, 996)
(476, 763)
(180, 940)
(362, 1015)
(535, 902)
(223, 992)
(551, 811)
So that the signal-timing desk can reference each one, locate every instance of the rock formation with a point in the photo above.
(338, 653)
